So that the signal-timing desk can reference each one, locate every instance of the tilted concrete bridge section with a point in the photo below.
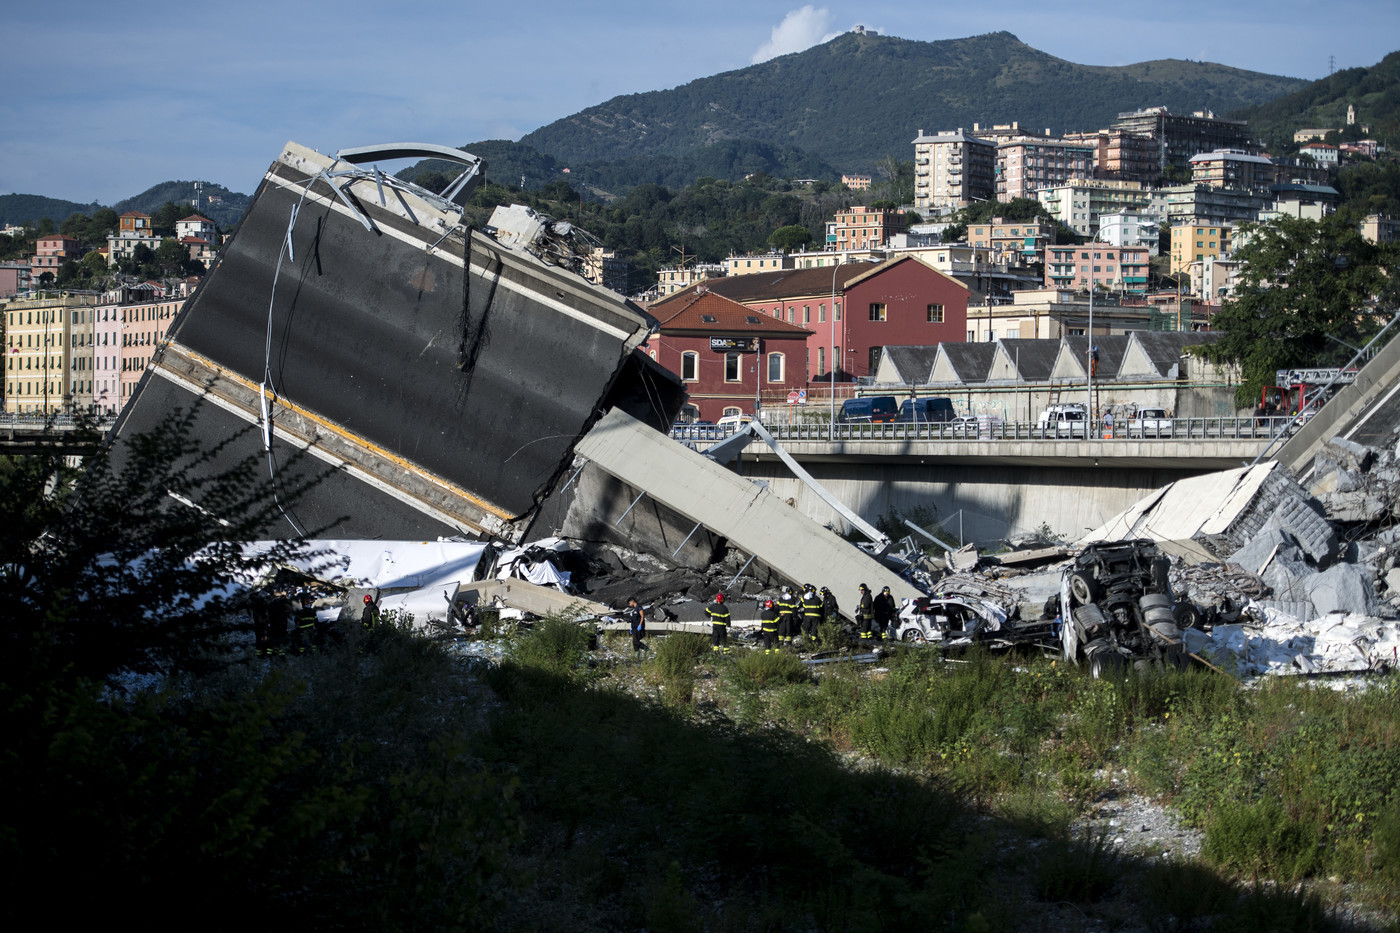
(986, 489)
(721, 503)
(1367, 412)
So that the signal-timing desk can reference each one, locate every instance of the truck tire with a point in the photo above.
(1084, 588)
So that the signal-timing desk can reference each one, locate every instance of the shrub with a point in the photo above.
(754, 670)
(556, 645)
(1260, 838)
(678, 653)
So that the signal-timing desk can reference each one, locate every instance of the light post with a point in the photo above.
(831, 364)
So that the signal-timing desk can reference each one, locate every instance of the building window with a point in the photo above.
(806, 314)
(935, 314)
(733, 411)
(877, 312)
(821, 359)
(821, 314)
(690, 366)
(775, 367)
(837, 308)
(875, 359)
(732, 369)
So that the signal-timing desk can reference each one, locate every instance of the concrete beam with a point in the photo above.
(749, 516)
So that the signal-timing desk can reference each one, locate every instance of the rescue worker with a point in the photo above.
(789, 611)
(768, 618)
(719, 624)
(885, 613)
(369, 616)
(865, 612)
(831, 612)
(308, 634)
(636, 624)
(811, 611)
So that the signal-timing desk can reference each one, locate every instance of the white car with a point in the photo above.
(1150, 422)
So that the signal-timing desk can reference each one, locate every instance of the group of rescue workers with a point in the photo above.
(792, 614)
(291, 625)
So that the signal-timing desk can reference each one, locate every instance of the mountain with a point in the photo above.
(30, 208)
(226, 212)
(27, 208)
(860, 97)
(1374, 91)
(508, 162)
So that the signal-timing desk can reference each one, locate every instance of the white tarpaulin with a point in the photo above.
(388, 565)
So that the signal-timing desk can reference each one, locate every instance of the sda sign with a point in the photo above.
(732, 344)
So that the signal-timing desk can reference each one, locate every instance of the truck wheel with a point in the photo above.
(1084, 588)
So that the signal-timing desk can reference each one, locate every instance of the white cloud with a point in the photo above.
(799, 30)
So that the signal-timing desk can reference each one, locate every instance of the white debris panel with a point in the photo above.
(387, 565)
(1283, 645)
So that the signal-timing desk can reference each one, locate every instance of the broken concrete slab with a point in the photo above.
(1224, 510)
(1343, 588)
(714, 499)
(529, 597)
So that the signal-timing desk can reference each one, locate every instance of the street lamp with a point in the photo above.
(831, 363)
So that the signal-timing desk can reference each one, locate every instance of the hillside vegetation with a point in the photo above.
(858, 98)
(1374, 91)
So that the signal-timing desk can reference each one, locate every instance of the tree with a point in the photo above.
(789, 238)
(1304, 286)
(125, 567)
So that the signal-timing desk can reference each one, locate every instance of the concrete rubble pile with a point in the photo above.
(1266, 576)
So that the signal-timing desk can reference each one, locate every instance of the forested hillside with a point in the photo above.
(1374, 91)
(860, 97)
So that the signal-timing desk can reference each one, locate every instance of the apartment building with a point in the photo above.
(1012, 241)
(1025, 166)
(1130, 228)
(1097, 265)
(856, 182)
(1321, 153)
(1233, 168)
(952, 170)
(1181, 136)
(864, 228)
(1197, 240)
(51, 252)
(1379, 228)
(128, 326)
(604, 267)
(38, 355)
(1208, 204)
(1079, 204)
(672, 279)
(767, 262)
(133, 230)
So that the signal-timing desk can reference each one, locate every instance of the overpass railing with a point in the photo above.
(990, 429)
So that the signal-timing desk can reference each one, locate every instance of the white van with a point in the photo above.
(1063, 421)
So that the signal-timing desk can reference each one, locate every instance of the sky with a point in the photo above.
(105, 100)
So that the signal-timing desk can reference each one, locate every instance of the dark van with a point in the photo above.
(926, 411)
(872, 408)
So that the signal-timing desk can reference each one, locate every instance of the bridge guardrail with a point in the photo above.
(1167, 429)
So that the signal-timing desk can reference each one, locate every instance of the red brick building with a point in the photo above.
(727, 355)
(899, 302)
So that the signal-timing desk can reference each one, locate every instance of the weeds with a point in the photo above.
(754, 670)
(556, 645)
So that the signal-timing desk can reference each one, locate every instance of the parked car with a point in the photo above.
(925, 411)
(1149, 422)
(976, 426)
(1063, 421)
(872, 408)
